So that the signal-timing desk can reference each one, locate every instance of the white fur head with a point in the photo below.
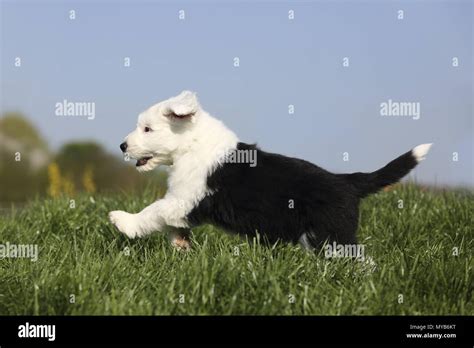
(161, 131)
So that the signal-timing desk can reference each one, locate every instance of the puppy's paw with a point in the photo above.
(181, 244)
(125, 223)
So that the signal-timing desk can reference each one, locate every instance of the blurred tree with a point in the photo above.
(91, 168)
(15, 126)
(23, 158)
(27, 168)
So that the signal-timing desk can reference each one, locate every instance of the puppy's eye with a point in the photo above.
(147, 129)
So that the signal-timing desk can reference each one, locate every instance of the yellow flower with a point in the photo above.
(54, 175)
(88, 180)
(68, 186)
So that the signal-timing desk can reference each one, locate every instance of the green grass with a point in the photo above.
(81, 254)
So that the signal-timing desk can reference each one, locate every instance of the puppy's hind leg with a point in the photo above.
(180, 238)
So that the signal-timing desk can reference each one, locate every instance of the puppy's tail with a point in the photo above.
(367, 183)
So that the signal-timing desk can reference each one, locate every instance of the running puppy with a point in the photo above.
(279, 197)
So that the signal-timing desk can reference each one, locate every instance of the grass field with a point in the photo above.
(84, 260)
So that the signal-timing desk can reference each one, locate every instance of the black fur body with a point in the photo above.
(287, 199)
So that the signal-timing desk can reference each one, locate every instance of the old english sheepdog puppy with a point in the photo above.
(216, 179)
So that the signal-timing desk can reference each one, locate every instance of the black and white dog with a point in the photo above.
(278, 197)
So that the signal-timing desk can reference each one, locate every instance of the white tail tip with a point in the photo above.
(420, 151)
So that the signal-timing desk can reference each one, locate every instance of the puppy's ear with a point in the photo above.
(182, 107)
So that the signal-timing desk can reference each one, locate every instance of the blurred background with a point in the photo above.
(305, 79)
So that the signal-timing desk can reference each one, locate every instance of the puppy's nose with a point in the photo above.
(123, 147)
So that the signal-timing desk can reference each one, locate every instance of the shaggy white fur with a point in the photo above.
(179, 133)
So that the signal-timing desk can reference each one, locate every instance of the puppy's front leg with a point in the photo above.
(141, 224)
(155, 217)
(125, 222)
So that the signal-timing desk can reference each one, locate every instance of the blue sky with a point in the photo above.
(282, 62)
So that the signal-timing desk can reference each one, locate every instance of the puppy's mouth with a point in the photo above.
(142, 161)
